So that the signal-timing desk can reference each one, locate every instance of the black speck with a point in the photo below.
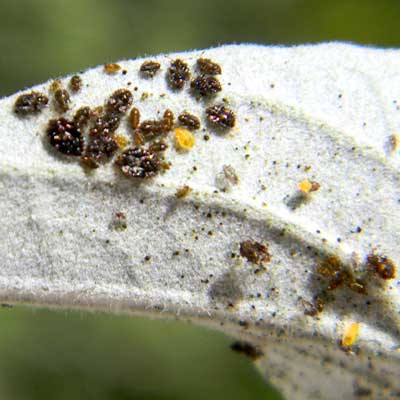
(243, 323)
(360, 391)
(247, 349)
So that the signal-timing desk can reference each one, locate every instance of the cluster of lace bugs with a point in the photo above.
(377, 269)
(101, 144)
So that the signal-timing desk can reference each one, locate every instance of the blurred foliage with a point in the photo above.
(75, 355)
(48, 38)
(59, 355)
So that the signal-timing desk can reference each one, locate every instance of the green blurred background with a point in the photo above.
(77, 355)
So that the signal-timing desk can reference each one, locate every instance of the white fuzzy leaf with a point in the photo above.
(327, 114)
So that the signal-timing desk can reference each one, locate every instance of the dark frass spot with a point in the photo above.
(82, 117)
(362, 391)
(102, 144)
(315, 307)
(382, 266)
(209, 67)
(75, 83)
(206, 85)
(30, 103)
(247, 349)
(119, 221)
(309, 308)
(255, 252)
(178, 73)
(138, 163)
(62, 100)
(149, 68)
(134, 117)
(120, 101)
(221, 117)
(244, 324)
(65, 136)
(189, 120)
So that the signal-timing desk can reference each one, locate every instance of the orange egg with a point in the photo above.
(184, 139)
(350, 334)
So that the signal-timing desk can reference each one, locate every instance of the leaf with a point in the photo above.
(281, 231)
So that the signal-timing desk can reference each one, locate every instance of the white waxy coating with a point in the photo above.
(324, 113)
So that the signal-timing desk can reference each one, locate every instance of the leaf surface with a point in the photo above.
(309, 174)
